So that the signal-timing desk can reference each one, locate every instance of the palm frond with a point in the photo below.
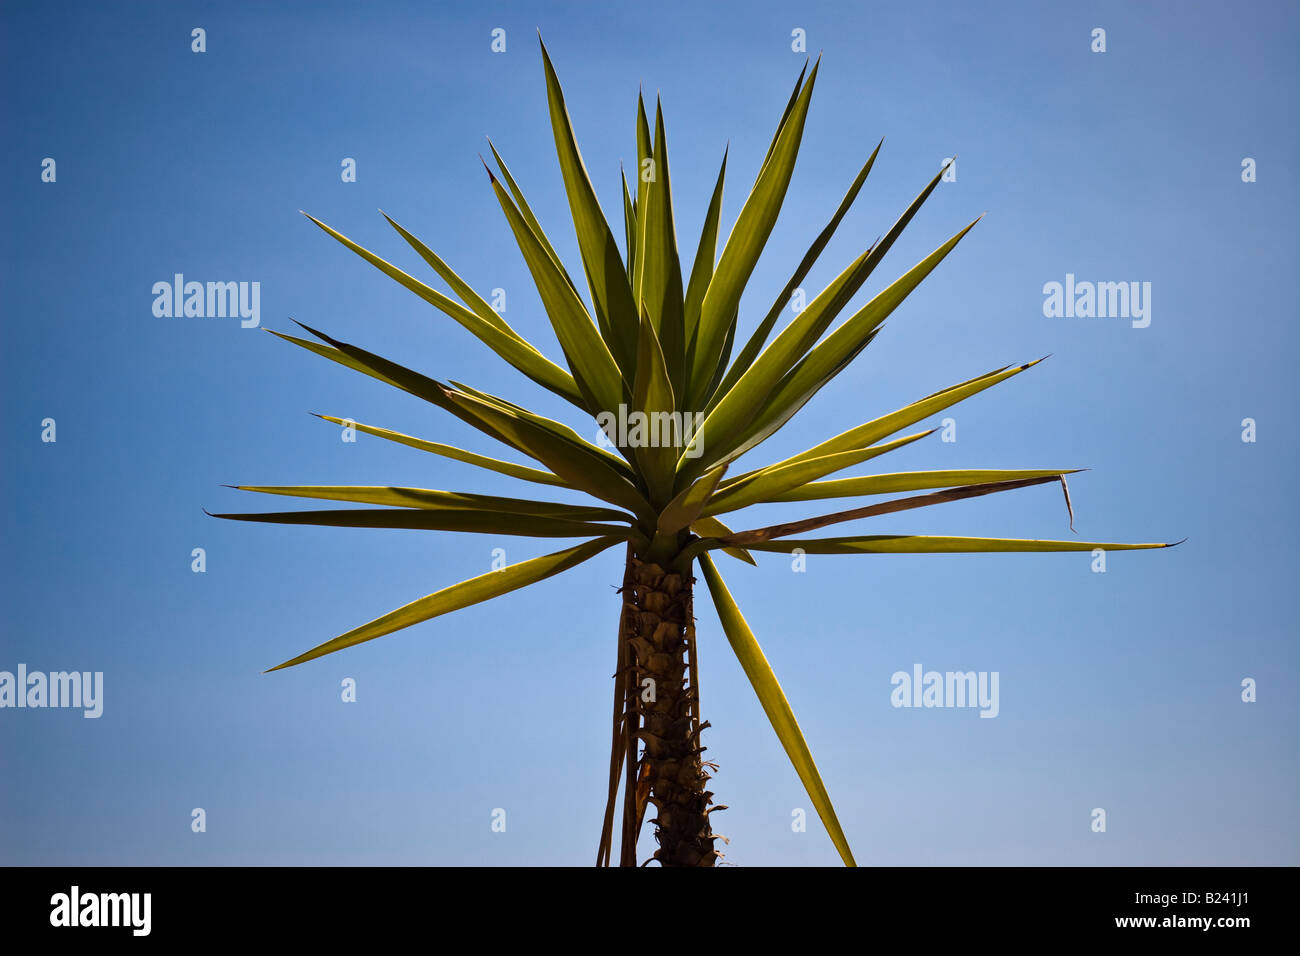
(656, 343)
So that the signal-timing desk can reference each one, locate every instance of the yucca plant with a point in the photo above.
(650, 357)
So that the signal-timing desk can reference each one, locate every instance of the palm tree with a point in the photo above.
(651, 359)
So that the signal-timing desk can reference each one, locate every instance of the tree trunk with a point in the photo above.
(663, 716)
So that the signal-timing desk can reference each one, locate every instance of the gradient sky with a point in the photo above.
(1118, 690)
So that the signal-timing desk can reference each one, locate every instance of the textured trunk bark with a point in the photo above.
(663, 716)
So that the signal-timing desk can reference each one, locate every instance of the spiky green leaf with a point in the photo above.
(684, 509)
(652, 396)
(475, 590)
(910, 481)
(774, 703)
(429, 498)
(594, 369)
(771, 484)
(759, 336)
(743, 247)
(606, 271)
(572, 463)
(428, 519)
(878, 428)
(706, 252)
(658, 285)
(938, 544)
(454, 453)
(491, 331)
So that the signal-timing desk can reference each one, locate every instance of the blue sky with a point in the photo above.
(1119, 690)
